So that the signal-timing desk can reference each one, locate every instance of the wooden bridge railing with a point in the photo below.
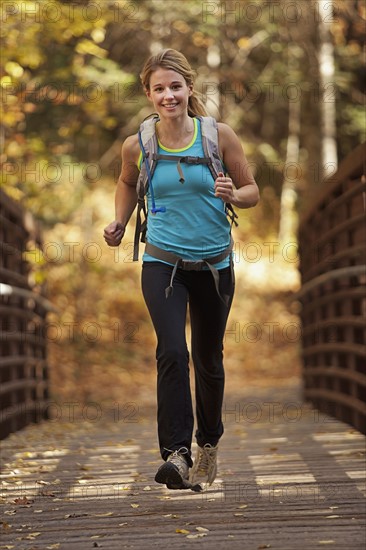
(332, 239)
(23, 361)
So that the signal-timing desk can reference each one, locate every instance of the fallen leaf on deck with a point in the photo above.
(182, 531)
(22, 501)
(32, 536)
(135, 505)
(202, 529)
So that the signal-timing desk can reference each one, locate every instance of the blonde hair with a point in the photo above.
(176, 61)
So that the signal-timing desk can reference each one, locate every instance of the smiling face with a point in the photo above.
(169, 92)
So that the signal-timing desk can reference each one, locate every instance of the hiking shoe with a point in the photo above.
(174, 472)
(205, 466)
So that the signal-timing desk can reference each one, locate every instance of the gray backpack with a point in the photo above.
(149, 148)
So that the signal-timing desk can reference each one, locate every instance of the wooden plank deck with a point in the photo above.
(289, 478)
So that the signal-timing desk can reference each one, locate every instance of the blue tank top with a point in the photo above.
(194, 225)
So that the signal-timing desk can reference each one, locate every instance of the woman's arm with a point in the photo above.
(239, 188)
(126, 196)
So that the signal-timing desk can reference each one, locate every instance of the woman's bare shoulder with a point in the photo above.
(225, 130)
(227, 137)
(131, 148)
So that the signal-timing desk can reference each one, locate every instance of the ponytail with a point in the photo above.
(196, 106)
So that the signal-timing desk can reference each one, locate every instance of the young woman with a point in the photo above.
(194, 227)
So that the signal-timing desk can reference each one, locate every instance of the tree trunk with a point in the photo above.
(213, 60)
(291, 172)
(328, 90)
(288, 213)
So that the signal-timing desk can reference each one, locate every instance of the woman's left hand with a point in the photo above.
(224, 188)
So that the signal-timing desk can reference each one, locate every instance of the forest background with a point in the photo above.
(289, 77)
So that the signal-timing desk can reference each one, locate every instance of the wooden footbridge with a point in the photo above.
(291, 477)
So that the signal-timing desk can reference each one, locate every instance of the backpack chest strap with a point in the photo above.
(187, 159)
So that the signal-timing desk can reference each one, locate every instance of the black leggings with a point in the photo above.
(208, 317)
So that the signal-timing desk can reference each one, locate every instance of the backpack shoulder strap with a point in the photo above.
(210, 144)
(149, 147)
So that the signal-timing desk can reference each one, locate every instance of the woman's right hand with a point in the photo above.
(113, 233)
